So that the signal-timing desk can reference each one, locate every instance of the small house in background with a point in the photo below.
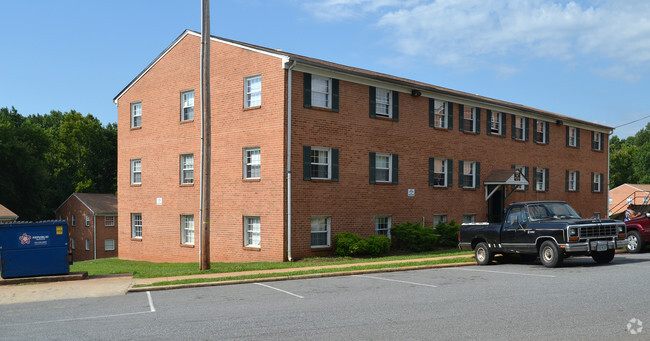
(92, 224)
(6, 215)
(635, 196)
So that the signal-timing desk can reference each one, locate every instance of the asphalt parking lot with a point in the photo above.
(580, 301)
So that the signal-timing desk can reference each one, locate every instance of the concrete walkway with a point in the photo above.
(113, 285)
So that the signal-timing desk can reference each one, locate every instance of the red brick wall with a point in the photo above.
(353, 203)
(80, 232)
(163, 138)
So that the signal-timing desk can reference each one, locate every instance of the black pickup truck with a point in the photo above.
(551, 229)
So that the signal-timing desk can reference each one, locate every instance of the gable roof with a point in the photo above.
(377, 76)
(97, 203)
(638, 187)
(5, 213)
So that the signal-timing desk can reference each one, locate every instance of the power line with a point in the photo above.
(623, 125)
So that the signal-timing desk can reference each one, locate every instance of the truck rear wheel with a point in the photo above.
(604, 257)
(482, 254)
(550, 255)
(636, 244)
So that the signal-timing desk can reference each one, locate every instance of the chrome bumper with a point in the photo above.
(592, 245)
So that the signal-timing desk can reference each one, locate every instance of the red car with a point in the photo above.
(638, 233)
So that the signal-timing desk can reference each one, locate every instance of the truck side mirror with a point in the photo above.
(647, 215)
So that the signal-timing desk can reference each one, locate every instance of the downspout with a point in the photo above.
(289, 258)
(94, 236)
(608, 160)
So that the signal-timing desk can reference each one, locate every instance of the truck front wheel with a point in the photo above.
(636, 244)
(482, 254)
(550, 255)
(604, 257)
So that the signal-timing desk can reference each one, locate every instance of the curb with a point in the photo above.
(296, 277)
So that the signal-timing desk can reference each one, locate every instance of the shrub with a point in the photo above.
(448, 233)
(349, 244)
(413, 237)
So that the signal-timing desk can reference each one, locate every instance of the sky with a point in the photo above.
(586, 59)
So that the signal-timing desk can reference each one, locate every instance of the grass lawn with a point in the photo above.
(140, 269)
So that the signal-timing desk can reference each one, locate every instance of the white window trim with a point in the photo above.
(186, 239)
(136, 114)
(87, 245)
(390, 167)
(542, 132)
(598, 139)
(541, 174)
(437, 116)
(388, 223)
(133, 171)
(185, 105)
(109, 220)
(111, 242)
(134, 233)
(87, 220)
(328, 93)
(472, 119)
(248, 93)
(572, 181)
(72, 245)
(441, 218)
(72, 220)
(598, 181)
(469, 218)
(329, 231)
(388, 103)
(329, 162)
(444, 171)
(522, 171)
(521, 120)
(250, 224)
(249, 165)
(473, 174)
(496, 123)
(573, 140)
(185, 180)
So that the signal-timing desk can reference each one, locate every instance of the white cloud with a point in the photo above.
(467, 32)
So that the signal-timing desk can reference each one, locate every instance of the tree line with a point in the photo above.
(45, 158)
(629, 159)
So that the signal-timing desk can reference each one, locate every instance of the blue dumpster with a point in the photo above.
(34, 249)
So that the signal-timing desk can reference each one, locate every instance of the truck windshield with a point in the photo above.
(552, 211)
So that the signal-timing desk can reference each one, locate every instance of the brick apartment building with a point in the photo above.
(92, 220)
(303, 149)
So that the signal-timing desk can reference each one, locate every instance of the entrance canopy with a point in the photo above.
(503, 177)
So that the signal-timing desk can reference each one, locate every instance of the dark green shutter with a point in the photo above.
(593, 185)
(477, 175)
(450, 172)
(335, 164)
(373, 102)
(450, 115)
(526, 129)
(514, 126)
(547, 180)
(372, 168)
(461, 165)
(432, 166)
(567, 136)
(535, 177)
(477, 124)
(566, 181)
(306, 163)
(307, 90)
(395, 168)
(488, 126)
(527, 175)
(577, 181)
(535, 134)
(577, 137)
(461, 116)
(503, 124)
(432, 114)
(547, 131)
(335, 95)
(395, 106)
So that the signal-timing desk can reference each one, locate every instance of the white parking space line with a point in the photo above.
(280, 290)
(501, 272)
(151, 310)
(395, 280)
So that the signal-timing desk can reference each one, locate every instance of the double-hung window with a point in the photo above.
(320, 163)
(187, 105)
(541, 131)
(187, 229)
(383, 105)
(439, 219)
(440, 119)
(187, 168)
(72, 220)
(109, 220)
(572, 181)
(540, 178)
(320, 232)
(469, 117)
(109, 245)
(469, 218)
(496, 123)
(136, 171)
(383, 168)
(252, 163)
(597, 141)
(596, 182)
(440, 172)
(572, 137)
(87, 245)
(253, 91)
(252, 232)
(382, 225)
(519, 128)
(470, 174)
(87, 220)
(136, 225)
(321, 92)
(136, 115)
(523, 170)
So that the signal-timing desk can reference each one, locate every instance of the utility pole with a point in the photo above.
(206, 144)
